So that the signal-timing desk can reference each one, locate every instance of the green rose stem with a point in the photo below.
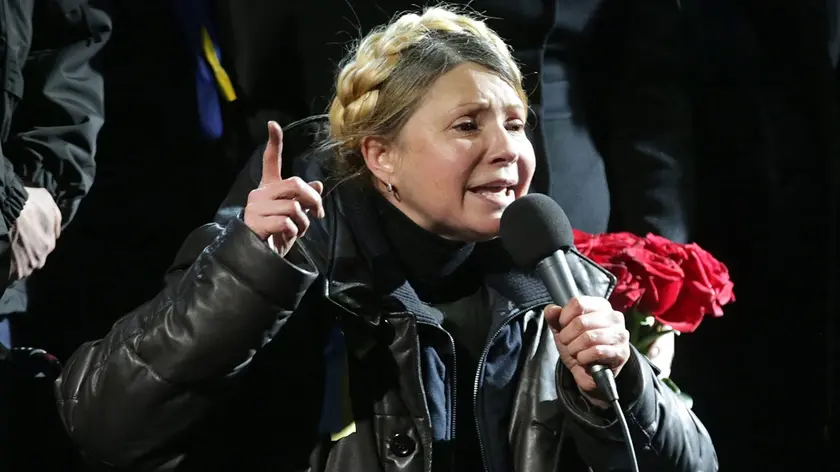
(644, 331)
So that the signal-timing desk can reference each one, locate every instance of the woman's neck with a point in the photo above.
(439, 270)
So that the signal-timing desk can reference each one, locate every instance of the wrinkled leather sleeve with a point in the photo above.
(666, 435)
(130, 397)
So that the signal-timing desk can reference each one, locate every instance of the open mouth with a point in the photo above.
(494, 193)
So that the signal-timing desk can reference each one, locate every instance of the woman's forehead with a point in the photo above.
(471, 86)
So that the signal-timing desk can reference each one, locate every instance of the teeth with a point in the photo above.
(493, 192)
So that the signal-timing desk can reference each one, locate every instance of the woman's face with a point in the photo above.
(461, 158)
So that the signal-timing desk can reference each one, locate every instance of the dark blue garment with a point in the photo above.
(194, 15)
(438, 381)
(5, 332)
(496, 383)
(449, 380)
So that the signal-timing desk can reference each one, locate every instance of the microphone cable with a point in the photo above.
(605, 380)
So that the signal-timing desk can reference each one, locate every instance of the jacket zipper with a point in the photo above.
(481, 363)
(480, 372)
(452, 384)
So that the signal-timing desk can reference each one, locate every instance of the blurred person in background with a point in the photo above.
(166, 155)
(51, 110)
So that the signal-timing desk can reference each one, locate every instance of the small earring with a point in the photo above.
(391, 189)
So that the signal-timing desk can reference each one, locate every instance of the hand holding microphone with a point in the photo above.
(280, 208)
(591, 337)
(588, 332)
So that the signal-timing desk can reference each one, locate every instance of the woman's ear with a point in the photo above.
(379, 158)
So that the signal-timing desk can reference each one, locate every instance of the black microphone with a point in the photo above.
(536, 233)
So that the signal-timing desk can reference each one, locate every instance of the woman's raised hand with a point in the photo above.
(278, 210)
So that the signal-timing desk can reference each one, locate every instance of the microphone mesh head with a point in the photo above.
(534, 227)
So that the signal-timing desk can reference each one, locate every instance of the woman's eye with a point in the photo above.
(516, 125)
(466, 126)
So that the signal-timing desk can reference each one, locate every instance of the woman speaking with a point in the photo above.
(361, 315)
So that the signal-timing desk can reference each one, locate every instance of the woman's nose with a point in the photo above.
(502, 149)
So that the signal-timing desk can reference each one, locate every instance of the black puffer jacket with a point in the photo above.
(242, 363)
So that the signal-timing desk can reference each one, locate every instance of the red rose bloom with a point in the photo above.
(707, 289)
(665, 247)
(659, 277)
(678, 284)
(584, 242)
(602, 248)
(628, 291)
(581, 237)
(716, 274)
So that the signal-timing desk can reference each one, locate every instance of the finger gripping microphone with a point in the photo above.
(537, 234)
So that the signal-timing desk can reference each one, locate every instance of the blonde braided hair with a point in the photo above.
(386, 74)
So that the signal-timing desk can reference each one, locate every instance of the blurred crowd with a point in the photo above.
(716, 121)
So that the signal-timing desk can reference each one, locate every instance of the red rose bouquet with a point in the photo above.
(663, 287)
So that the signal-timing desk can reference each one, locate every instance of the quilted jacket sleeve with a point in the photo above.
(129, 398)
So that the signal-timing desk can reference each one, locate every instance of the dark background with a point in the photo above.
(766, 118)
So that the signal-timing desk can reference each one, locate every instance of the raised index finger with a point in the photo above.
(272, 156)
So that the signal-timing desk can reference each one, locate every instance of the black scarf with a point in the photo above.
(439, 270)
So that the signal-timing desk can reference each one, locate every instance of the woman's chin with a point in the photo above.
(484, 230)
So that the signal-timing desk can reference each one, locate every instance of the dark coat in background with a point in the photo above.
(51, 110)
